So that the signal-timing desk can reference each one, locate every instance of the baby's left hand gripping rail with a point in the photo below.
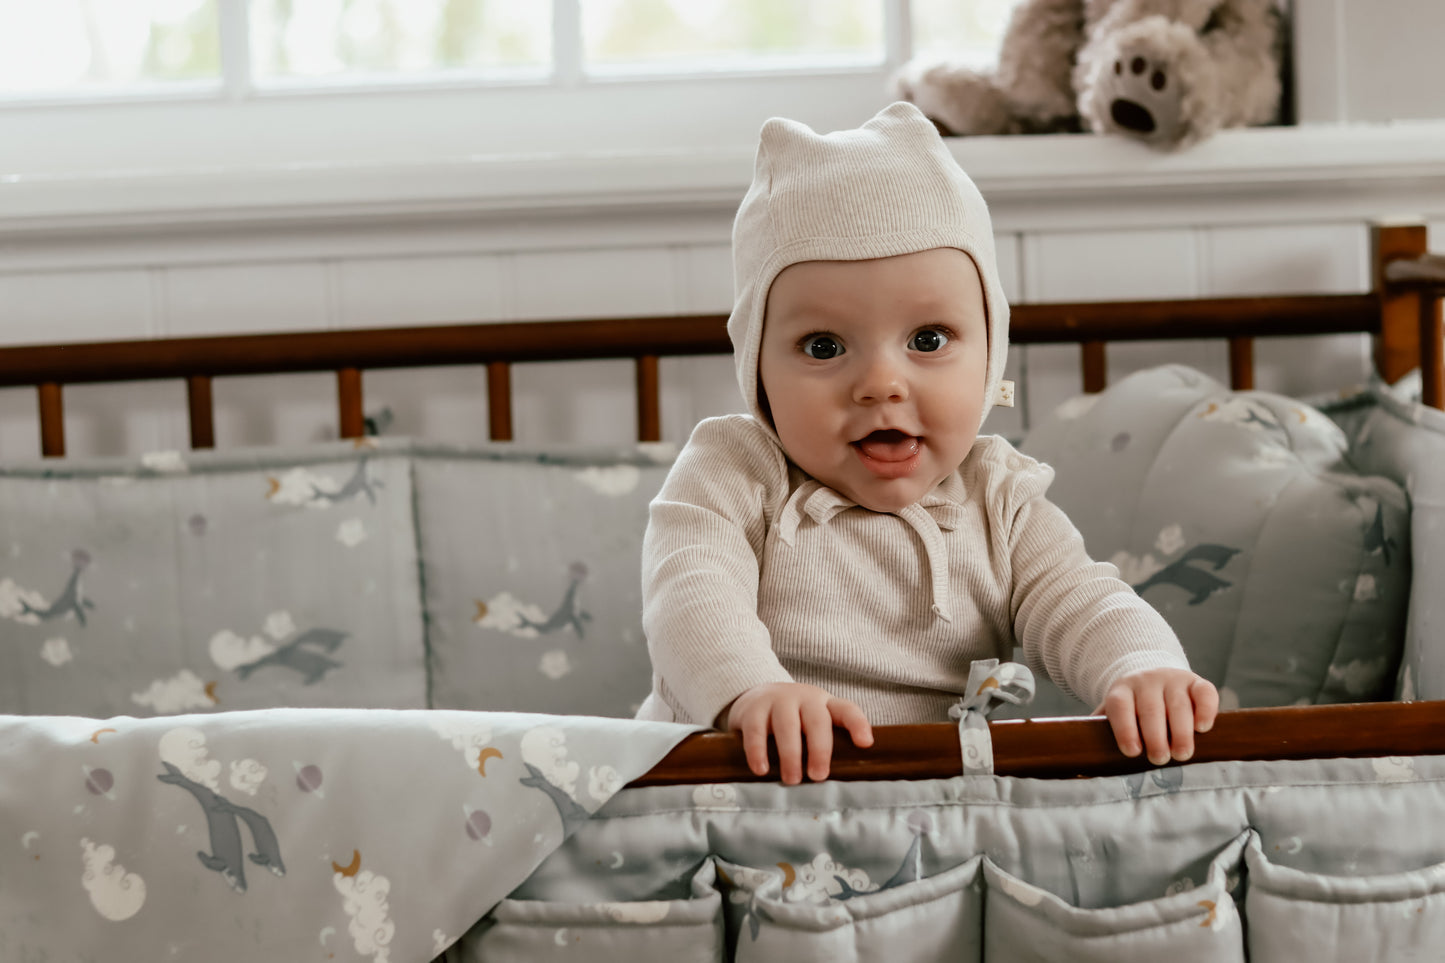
(1071, 747)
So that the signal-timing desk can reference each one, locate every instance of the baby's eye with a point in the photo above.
(929, 339)
(822, 347)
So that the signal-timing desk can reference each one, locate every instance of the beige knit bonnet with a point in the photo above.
(889, 187)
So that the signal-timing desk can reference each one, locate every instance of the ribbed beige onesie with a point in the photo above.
(753, 573)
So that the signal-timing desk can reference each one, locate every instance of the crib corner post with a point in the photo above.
(1397, 343)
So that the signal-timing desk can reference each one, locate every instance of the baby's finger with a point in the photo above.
(1206, 704)
(1153, 725)
(754, 728)
(787, 734)
(1181, 721)
(850, 717)
(818, 728)
(1119, 707)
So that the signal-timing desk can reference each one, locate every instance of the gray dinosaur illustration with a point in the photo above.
(572, 814)
(301, 655)
(1168, 780)
(1375, 538)
(568, 612)
(70, 601)
(223, 819)
(359, 482)
(1196, 581)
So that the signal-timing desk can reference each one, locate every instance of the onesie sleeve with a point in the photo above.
(1075, 618)
(701, 559)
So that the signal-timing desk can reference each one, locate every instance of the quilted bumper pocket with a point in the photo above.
(535, 931)
(935, 918)
(1298, 915)
(1025, 924)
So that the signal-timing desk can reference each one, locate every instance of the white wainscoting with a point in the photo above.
(1229, 220)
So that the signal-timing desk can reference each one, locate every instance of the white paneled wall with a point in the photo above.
(454, 275)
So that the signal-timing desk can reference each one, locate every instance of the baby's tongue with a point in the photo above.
(891, 445)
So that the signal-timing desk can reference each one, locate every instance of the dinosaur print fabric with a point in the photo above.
(289, 834)
(1250, 522)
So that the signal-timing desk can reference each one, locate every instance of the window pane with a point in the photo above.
(351, 38)
(730, 34)
(102, 45)
(965, 31)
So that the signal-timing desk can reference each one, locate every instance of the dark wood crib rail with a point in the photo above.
(1402, 312)
(1068, 748)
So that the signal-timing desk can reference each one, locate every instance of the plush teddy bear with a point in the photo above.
(1166, 72)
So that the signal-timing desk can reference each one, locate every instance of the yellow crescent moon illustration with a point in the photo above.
(211, 691)
(790, 876)
(491, 752)
(275, 486)
(1208, 904)
(987, 684)
(351, 870)
(95, 736)
(1213, 407)
(481, 610)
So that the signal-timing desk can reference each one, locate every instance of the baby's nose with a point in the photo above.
(880, 381)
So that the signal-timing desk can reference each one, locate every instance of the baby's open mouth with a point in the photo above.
(889, 445)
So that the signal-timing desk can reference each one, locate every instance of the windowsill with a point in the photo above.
(1022, 177)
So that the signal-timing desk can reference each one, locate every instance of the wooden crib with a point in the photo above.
(1402, 314)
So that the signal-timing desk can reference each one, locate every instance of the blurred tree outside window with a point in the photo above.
(969, 32)
(693, 35)
(104, 45)
(327, 38)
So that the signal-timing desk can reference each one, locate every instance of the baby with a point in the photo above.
(842, 554)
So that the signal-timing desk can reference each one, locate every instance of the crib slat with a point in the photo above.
(202, 417)
(349, 401)
(649, 404)
(1241, 364)
(499, 400)
(52, 420)
(1432, 351)
(1095, 365)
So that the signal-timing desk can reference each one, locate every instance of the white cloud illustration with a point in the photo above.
(169, 461)
(466, 733)
(182, 691)
(247, 776)
(817, 882)
(185, 748)
(505, 612)
(364, 900)
(555, 664)
(614, 480)
(279, 625)
(603, 782)
(56, 651)
(546, 749)
(299, 486)
(351, 532)
(115, 894)
(229, 650)
(13, 600)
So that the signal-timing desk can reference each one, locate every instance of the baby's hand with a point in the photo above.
(1166, 706)
(791, 710)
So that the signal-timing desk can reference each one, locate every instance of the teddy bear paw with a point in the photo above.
(1143, 97)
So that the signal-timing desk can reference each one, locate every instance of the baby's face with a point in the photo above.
(874, 371)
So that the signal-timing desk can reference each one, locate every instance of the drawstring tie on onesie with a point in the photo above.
(930, 518)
